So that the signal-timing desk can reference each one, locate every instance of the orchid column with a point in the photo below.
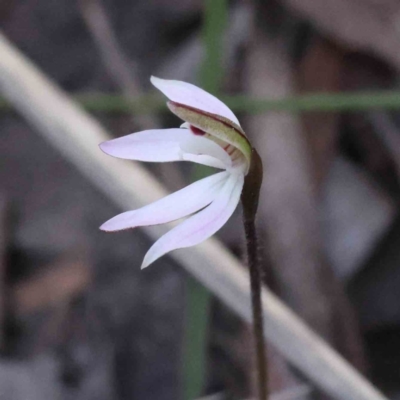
(210, 135)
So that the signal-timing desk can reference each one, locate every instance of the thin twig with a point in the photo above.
(389, 133)
(124, 72)
(118, 65)
(4, 237)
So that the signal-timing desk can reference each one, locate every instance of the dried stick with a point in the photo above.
(389, 134)
(4, 228)
(118, 65)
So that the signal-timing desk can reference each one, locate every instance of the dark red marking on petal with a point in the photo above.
(197, 131)
(215, 117)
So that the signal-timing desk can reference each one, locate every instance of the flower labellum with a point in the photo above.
(211, 135)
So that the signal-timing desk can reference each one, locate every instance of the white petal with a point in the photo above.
(165, 145)
(199, 145)
(156, 145)
(204, 160)
(202, 225)
(193, 96)
(174, 206)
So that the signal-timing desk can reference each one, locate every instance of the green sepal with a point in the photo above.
(215, 125)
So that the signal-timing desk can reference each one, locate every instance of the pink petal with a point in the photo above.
(155, 145)
(174, 206)
(164, 145)
(193, 96)
(196, 146)
(202, 225)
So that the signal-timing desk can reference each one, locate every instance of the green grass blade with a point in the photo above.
(195, 350)
(195, 344)
(356, 101)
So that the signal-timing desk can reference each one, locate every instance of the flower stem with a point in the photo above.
(258, 327)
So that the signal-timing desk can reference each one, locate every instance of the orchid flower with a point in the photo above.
(210, 135)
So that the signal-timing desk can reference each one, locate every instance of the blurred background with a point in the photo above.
(79, 320)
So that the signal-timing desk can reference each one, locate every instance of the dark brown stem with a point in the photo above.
(258, 327)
